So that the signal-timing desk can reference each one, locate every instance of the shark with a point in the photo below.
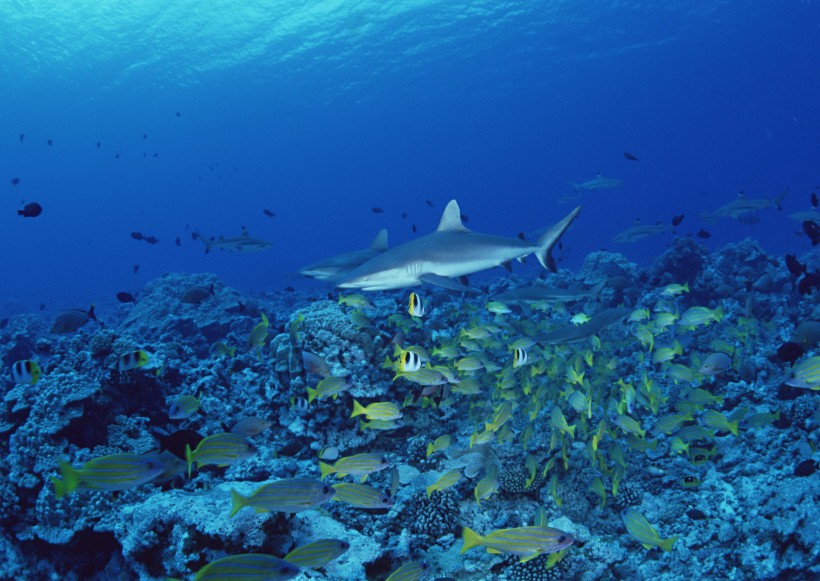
(638, 231)
(450, 252)
(242, 243)
(538, 293)
(742, 207)
(339, 265)
(599, 182)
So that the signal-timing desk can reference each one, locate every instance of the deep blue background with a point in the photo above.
(322, 113)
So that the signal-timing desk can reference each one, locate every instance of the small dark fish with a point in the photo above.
(414, 228)
(695, 514)
(522, 236)
(98, 145)
(429, 203)
(194, 235)
(814, 201)
(137, 235)
(144, 155)
(677, 219)
(805, 468)
(812, 230)
(404, 215)
(15, 181)
(42, 306)
(50, 142)
(117, 156)
(703, 234)
(22, 137)
(145, 136)
(136, 268)
(808, 283)
(175, 443)
(789, 352)
(155, 155)
(377, 210)
(268, 213)
(290, 289)
(151, 239)
(629, 156)
(30, 210)
(178, 242)
(465, 218)
(196, 294)
(179, 114)
(796, 268)
(125, 297)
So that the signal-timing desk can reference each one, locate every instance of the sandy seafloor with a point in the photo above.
(754, 518)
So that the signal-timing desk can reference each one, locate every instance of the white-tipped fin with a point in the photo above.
(451, 219)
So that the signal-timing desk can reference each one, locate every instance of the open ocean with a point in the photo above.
(168, 168)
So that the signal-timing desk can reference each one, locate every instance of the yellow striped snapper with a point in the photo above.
(806, 374)
(328, 387)
(362, 496)
(487, 486)
(670, 422)
(26, 371)
(664, 354)
(643, 532)
(500, 417)
(440, 443)
(411, 571)
(258, 334)
(357, 301)
(183, 406)
(248, 567)
(673, 290)
(132, 360)
(289, 495)
(378, 410)
(317, 554)
(222, 449)
(424, 376)
(360, 465)
(445, 481)
(559, 422)
(112, 472)
(715, 419)
(416, 308)
(697, 316)
(524, 542)
(251, 426)
(220, 349)
(629, 425)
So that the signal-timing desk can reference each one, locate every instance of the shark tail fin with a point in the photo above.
(551, 237)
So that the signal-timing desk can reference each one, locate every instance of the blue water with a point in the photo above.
(320, 113)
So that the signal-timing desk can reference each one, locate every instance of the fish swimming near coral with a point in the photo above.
(451, 252)
(72, 319)
(26, 371)
(242, 243)
(340, 264)
(524, 542)
(112, 472)
(599, 182)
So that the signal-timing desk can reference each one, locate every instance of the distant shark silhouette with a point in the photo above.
(338, 266)
(452, 251)
(242, 243)
(599, 182)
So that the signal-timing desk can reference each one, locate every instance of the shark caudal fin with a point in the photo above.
(550, 237)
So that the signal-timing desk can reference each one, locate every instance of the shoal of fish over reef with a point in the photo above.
(618, 422)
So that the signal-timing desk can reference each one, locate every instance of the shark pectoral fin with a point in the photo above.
(550, 237)
(446, 282)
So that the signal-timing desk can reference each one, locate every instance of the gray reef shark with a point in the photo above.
(638, 231)
(339, 265)
(242, 243)
(598, 183)
(452, 251)
(742, 207)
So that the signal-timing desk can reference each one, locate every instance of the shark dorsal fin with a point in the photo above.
(451, 219)
(380, 241)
